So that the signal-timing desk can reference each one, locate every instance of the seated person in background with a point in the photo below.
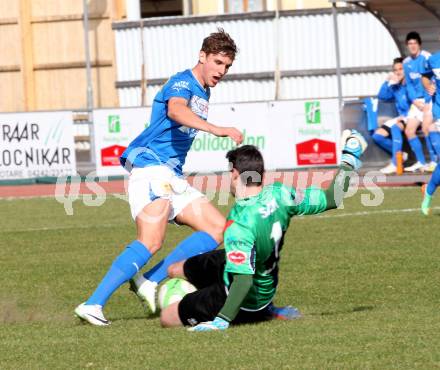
(394, 90)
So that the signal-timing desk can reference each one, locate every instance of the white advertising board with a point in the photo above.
(313, 130)
(113, 130)
(208, 152)
(36, 144)
(290, 134)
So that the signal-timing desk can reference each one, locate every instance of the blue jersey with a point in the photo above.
(413, 69)
(396, 93)
(433, 71)
(165, 141)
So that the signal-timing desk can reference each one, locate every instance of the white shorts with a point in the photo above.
(415, 112)
(391, 122)
(150, 183)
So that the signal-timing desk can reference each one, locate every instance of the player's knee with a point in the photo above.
(217, 229)
(218, 235)
(152, 244)
(169, 317)
(175, 270)
(382, 132)
(409, 132)
(164, 320)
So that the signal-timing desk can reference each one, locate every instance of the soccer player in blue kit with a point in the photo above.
(432, 71)
(421, 109)
(157, 191)
(393, 90)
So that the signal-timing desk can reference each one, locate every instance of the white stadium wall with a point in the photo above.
(305, 48)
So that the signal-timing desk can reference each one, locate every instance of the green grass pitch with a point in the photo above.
(366, 279)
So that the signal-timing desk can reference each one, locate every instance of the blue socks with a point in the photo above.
(124, 267)
(434, 181)
(416, 147)
(396, 135)
(197, 243)
(434, 137)
(384, 142)
(430, 148)
(136, 255)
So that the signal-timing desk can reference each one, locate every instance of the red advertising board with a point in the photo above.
(316, 152)
(110, 155)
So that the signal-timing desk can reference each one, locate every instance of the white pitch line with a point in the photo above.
(337, 215)
(118, 195)
(57, 228)
(52, 197)
(24, 197)
(368, 213)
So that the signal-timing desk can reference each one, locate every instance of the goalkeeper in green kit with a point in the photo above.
(238, 284)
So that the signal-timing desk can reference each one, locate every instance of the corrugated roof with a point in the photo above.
(306, 54)
(403, 16)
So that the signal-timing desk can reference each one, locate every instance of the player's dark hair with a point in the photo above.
(413, 35)
(249, 163)
(220, 42)
(398, 60)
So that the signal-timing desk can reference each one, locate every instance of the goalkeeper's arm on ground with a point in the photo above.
(240, 287)
(238, 290)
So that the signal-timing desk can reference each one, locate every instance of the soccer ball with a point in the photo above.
(173, 291)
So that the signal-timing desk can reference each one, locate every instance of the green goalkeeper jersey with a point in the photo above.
(254, 236)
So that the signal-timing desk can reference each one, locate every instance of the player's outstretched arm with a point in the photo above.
(354, 145)
(338, 187)
(314, 200)
(179, 112)
(237, 293)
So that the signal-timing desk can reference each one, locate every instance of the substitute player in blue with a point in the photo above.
(421, 109)
(393, 90)
(432, 72)
(157, 191)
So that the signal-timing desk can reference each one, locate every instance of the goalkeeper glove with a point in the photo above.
(353, 144)
(217, 324)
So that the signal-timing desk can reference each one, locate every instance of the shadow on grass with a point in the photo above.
(137, 317)
(352, 310)
(81, 322)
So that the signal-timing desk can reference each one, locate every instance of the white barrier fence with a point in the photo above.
(290, 134)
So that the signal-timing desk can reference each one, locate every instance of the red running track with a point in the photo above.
(205, 183)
